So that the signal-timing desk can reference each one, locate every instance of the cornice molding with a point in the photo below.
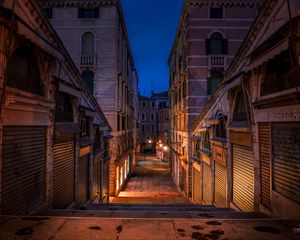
(78, 3)
(225, 3)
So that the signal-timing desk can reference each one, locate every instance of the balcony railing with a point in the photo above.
(88, 60)
(217, 61)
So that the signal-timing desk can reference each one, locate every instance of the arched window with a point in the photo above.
(240, 113)
(143, 117)
(206, 143)
(221, 128)
(22, 72)
(216, 44)
(88, 44)
(88, 77)
(213, 82)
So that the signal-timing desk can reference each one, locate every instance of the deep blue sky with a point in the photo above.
(151, 26)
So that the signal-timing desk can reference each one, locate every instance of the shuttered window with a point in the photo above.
(286, 160)
(88, 44)
(22, 72)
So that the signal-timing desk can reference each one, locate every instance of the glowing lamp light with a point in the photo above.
(165, 148)
(150, 141)
(160, 145)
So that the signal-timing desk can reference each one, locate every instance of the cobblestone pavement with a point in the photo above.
(151, 183)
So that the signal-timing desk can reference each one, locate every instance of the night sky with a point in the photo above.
(151, 26)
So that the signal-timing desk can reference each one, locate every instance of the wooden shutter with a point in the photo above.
(220, 185)
(225, 46)
(208, 46)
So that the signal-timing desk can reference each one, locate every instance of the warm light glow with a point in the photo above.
(160, 145)
(165, 148)
(150, 141)
(159, 141)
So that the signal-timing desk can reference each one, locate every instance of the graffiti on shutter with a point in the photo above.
(23, 169)
(286, 159)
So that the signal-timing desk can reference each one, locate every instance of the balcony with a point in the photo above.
(217, 61)
(88, 60)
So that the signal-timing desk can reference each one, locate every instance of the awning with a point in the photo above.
(271, 53)
(69, 89)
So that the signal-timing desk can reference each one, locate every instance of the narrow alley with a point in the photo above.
(151, 183)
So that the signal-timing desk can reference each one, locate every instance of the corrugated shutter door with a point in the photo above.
(63, 174)
(96, 179)
(206, 184)
(220, 185)
(197, 186)
(286, 159)
(265, 162)
(83, 189)
(23, 169)
(243, 178)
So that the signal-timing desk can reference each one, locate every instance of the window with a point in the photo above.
(144, 104)
(88, 44)
(152, 117)
(240, 113)
(88, 12)
(143, 117)
(216, 45)
(98, 144)
(213, 82)
(220, 128)
(48, 12)
(153, 104)
(143, 128)
(64, 108)
(118, 122)
(88, 77)
(184, 89)
(84, 126)
(22, 72)
(216, 13)
(280, 74)
(206, 143)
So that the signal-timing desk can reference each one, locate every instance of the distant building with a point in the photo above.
(208, 36)
(249, 131)
(53, 134)
(95, 34)
(153, 118)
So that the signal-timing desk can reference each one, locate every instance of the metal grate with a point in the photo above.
(220, 185)
(23, 173)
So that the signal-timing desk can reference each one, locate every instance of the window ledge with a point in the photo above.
(206, 152)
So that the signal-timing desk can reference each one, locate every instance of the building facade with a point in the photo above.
(94, 33)
(53, 133)
(208, 36)
(255, 159)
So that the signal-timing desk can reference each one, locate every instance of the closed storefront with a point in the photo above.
(220, 176)
(243, 178)
(83, 179)
(23, 170)
(206, 186)
(220, 185)
(63, 172)
(97, 178)
(286, 160)
(197, 184)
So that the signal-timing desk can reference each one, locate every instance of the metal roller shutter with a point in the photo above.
(220, 185)
(286, 159)
(63, 174)
(197, 188)
(23, 169)
(206, 184)
(243, 178)
(265, 162)
(83, 184)
(96, 179)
